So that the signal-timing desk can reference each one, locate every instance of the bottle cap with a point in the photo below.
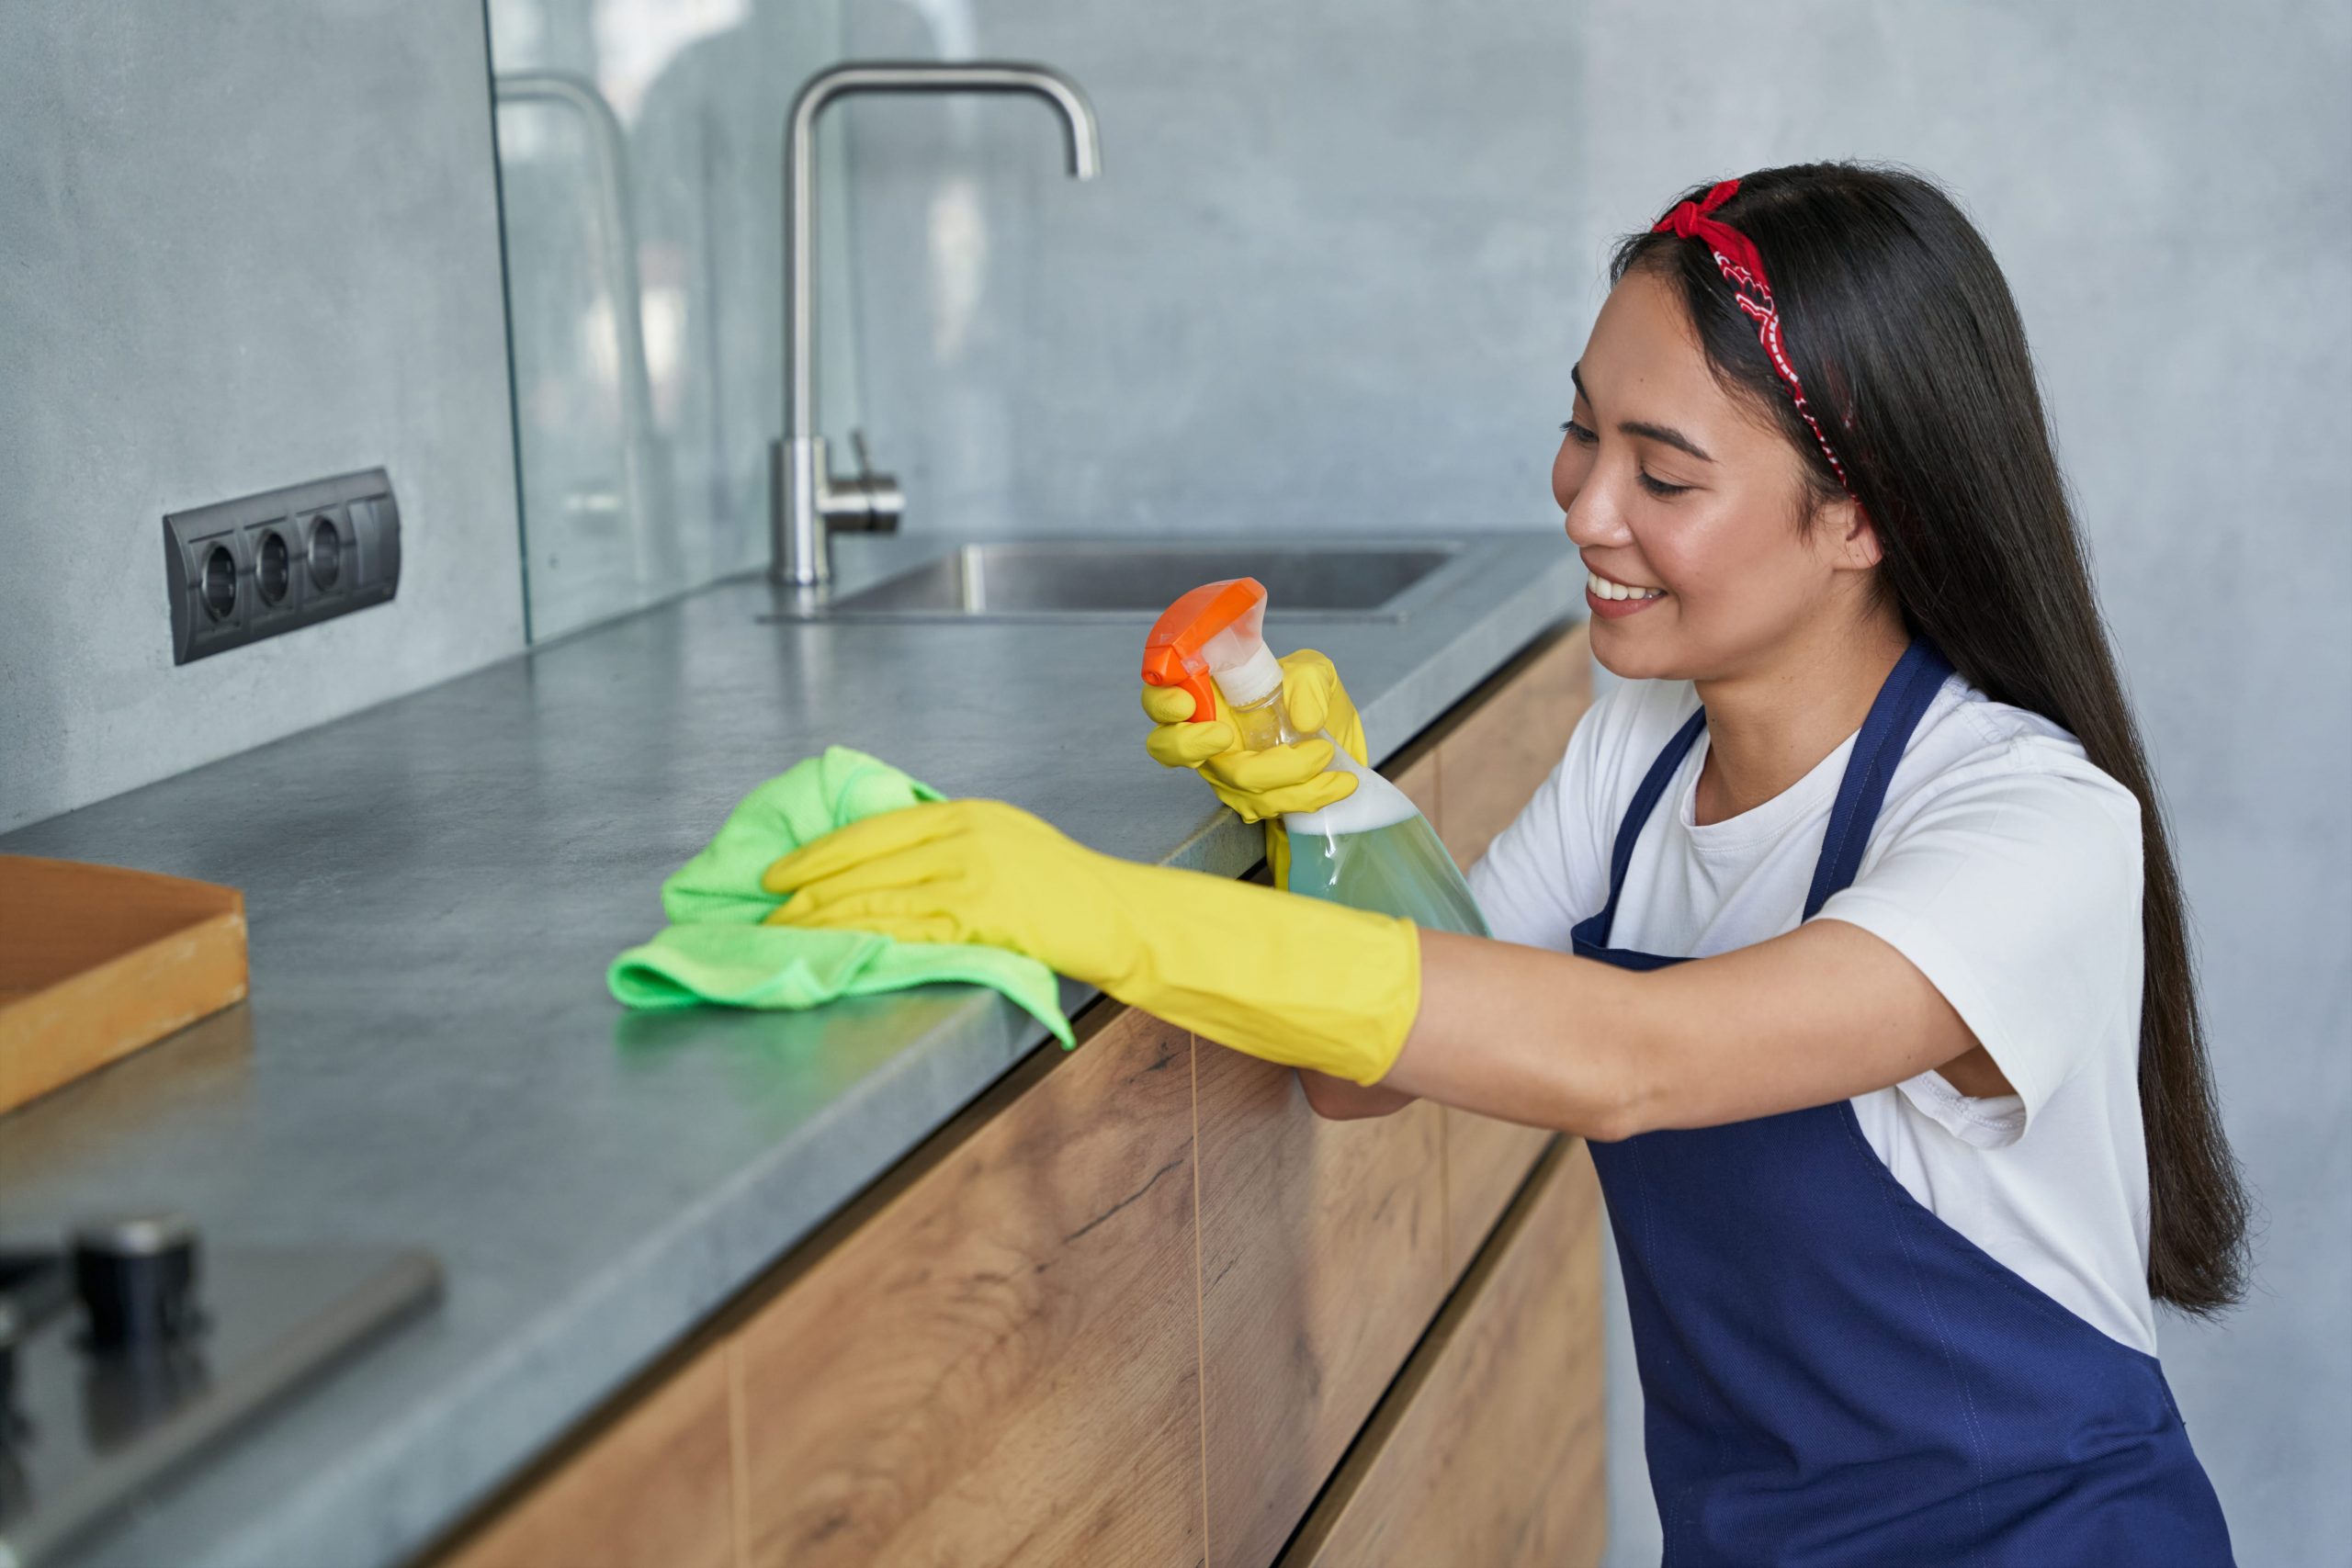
(1251, 682)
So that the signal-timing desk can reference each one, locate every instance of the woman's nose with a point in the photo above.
(1594, 519)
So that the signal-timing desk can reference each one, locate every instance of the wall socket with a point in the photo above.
(241, 570)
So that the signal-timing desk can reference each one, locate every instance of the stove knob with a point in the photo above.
(136, 1276)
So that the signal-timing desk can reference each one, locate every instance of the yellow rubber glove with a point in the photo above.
(1291, 980)
(1262, 786)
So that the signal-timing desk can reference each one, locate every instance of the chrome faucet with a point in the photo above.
(805, 501)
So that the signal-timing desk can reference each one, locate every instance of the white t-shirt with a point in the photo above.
(2003, 865)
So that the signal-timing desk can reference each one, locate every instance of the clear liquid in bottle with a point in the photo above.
(1373, 851)
(1401, 869)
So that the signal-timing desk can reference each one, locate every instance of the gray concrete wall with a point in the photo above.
(1309, 292)
(1343, 256)
(241, 246)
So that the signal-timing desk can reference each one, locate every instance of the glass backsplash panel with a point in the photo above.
(640, 147)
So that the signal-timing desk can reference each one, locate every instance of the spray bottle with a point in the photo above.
(1373, 850)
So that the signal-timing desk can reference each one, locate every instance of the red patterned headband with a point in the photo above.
(1743, 268)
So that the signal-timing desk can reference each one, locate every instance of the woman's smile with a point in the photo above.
(1607, 597)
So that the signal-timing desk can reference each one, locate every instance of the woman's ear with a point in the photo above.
(1844, 520)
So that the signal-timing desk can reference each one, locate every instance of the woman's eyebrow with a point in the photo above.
(1664, 434)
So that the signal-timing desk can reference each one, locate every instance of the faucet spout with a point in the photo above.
(804, 499)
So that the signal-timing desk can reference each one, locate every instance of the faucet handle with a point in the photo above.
(870, 503)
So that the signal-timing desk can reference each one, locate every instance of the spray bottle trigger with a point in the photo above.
(1213, 621)
(1165, 667)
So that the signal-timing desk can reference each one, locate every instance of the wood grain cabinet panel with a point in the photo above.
(1321, 1262)
(1489, 1449)
(1507, 740)
(1499, 748)
(1001, 1364)
(654, 1489)
(1484, 1162)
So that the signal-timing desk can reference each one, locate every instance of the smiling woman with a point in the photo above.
(1846, 929)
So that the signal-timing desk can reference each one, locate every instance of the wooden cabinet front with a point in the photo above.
(1321, 1261)
(1489, 1449)
(1000, 1366)
(654, 1489)
(1484, 1162)
(1474, 773)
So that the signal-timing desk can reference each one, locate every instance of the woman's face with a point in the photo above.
(1676, 489)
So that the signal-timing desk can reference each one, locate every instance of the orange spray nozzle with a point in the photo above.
(1177, 652)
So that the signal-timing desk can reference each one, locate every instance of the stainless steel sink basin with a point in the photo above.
(1078, 579)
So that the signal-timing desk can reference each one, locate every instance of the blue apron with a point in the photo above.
(1834, 1375)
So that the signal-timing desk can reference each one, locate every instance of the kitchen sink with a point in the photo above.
(1081, 579)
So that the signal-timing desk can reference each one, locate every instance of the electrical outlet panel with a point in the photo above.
(241, 570)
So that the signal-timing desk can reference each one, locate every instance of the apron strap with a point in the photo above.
(1596, 929)
(1895, 713)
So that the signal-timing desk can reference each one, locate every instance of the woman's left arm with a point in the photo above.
(1824, 1013)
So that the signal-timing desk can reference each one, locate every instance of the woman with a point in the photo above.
(1847, 930)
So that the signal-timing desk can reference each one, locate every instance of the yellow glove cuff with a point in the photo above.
(1291, 980)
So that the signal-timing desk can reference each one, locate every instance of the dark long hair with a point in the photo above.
(1902, 328)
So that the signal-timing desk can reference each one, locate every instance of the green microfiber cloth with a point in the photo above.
(715, 950)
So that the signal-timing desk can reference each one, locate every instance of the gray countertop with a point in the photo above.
(429, 1057)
